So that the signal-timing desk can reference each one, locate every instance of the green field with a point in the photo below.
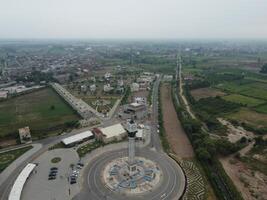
(261, 108)
(8, 157)
(248, 101)
(34, 110)
(246, 87)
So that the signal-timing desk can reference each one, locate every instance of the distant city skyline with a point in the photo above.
(134, 19)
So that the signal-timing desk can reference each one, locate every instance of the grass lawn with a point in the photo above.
(247, 88)
(261, 108)
(249, 101)
(8, 157)
(34, 110)
(250, 117)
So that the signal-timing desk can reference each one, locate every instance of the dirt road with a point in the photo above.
(176, 136)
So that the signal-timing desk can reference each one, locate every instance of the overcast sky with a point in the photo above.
(133, 19)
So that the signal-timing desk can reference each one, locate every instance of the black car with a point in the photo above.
(52, 173)
(80, 164)
(52, 177)
(53, 168)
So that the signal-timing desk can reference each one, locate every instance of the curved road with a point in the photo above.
(171, 186)
(173, 180)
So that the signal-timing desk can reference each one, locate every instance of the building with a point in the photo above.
(83, 88)
(134, 111)
(134, 87)
(25, 135)
(107, 75)
(93, 88)
(78, 138)
(110, 133)
(120, 83)
(140, 100)
(17, 188)
(107, 88)
(3, 94)
(168, 78)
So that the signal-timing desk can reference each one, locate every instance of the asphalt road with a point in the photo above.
(171, 186)
(155, 140)
(173, 176)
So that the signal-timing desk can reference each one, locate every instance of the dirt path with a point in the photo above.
(176, 136)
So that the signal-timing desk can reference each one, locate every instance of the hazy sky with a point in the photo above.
(133, 19)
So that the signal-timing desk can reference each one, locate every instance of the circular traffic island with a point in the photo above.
(152, 176)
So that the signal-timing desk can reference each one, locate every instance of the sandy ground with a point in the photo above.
(235, 133)
(177, 138)
(252, 185)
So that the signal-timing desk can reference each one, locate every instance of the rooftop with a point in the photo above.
(114, 130)
(20, 181)
(77, 138)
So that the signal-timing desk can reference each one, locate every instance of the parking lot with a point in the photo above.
(51, 180)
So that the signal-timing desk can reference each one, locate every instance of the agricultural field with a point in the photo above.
(250, 117)
(244, 100)
(39, 110)
(7, 158)
(261, 108)
(245, 87)
(205, 93)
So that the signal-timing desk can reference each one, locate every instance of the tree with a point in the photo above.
(52, 107)
(203, 153)
(264, 69)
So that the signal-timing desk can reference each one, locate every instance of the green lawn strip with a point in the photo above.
(87, 148)
(8, 157)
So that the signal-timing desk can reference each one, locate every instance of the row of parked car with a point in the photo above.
(75, 173)
(53, 173)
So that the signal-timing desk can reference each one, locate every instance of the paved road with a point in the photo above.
(171, 187)
(173, 183)
(155, 140)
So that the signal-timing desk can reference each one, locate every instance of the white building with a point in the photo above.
(3, 94)
(134, 87)
(16, 190)
(93, 88)
(140, 100)
(78, 138)
(120, 83)
(108, 88)
(107, 75)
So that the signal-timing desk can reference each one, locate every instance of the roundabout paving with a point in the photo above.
(170, 186)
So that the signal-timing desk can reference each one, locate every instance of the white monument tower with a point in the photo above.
(132, 130)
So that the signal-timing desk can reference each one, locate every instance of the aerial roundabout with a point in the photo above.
(121, 174)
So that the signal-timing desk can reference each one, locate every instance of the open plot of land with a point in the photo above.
(251, 184)
(6, 158)
(206, 92)
(246, 87)
(176, 136)
(251, 117)
(39, 110)
(248, 101)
